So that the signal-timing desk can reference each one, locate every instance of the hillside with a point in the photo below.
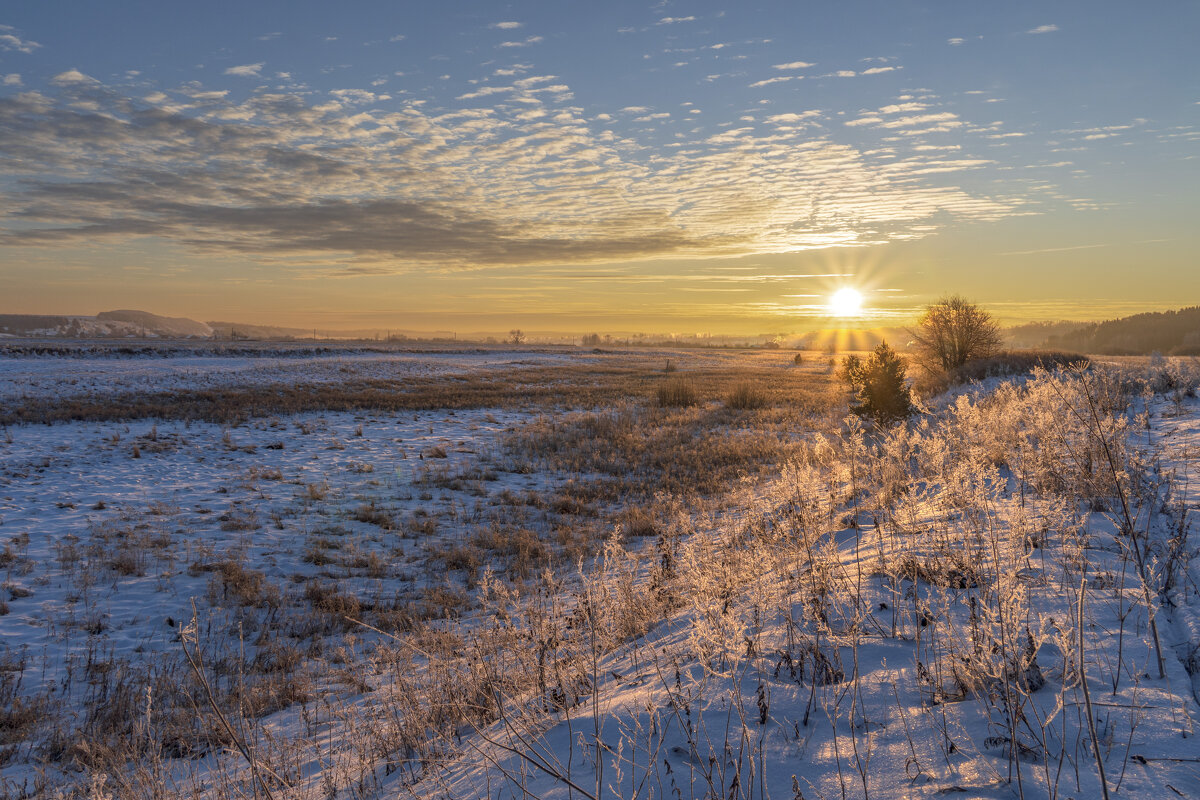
(1166, 332)
(106, 324)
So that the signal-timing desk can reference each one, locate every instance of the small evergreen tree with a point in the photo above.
(880, 386)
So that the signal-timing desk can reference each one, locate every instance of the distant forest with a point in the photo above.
(1168, 332)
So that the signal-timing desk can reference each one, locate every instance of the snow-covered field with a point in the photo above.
(410, 604)
(32, 377)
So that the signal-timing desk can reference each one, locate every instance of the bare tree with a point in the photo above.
(516, 336)
(952, 332)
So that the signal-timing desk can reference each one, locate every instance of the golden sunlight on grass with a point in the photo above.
(846, 302)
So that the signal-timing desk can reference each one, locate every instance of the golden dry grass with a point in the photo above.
(591, 382)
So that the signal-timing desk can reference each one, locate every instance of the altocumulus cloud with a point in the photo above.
(10, 39)
(524, 181)
(246, 70)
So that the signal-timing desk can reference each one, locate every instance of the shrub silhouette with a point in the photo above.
(880, 385)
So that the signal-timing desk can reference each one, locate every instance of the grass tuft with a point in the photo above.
(676, 393)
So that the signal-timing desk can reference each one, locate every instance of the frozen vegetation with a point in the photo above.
(667, 575)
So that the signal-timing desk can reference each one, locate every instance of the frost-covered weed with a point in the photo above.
(972, 546)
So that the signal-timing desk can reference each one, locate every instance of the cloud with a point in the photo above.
(955, 41)
(528, 41)
(532, 80)
(484, 92)
(769, 81)
(280, 176)
(11, 40)
(844, 73)
(197, 94)
(507, 26)
(878, 70)
(246, 70)
(399, 37)
(73, 77)
(793, 118)
(674, 20)
(1043, 29)
(793, 65)
(12, 79)
(358, 96)
(883, 118)
(942, 118)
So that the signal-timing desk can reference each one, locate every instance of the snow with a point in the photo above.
(102, 374)
(111, 532)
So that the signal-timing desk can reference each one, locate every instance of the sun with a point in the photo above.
(846, 302)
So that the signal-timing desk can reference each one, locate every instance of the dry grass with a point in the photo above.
(534, 639)
(593, 383)
(746, 397)
(264, 640)
(676, 393)
(636, 452)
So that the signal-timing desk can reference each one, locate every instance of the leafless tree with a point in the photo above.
(516, 336)
(952, 332)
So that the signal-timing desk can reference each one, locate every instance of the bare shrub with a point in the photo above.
(249, 587)
(636, 521)
(373, 515)
(953, 332)
(330, 599)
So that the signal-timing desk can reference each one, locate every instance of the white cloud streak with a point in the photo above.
(246, 70)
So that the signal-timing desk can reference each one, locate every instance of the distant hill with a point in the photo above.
(1167, 332)
(105, 325)
(242, 330)
(1035, 334)
(160, 326)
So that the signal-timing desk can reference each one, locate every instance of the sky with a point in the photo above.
(691, 167)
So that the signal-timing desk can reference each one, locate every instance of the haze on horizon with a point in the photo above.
(660, 167)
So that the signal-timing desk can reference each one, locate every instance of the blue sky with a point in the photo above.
(652, 166)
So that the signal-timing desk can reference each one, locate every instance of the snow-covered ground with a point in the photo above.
(1029, 674)
(772, 648)
(29, 377)
(133, 505)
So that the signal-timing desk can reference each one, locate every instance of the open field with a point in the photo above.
(216, 387)
(576, 573)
